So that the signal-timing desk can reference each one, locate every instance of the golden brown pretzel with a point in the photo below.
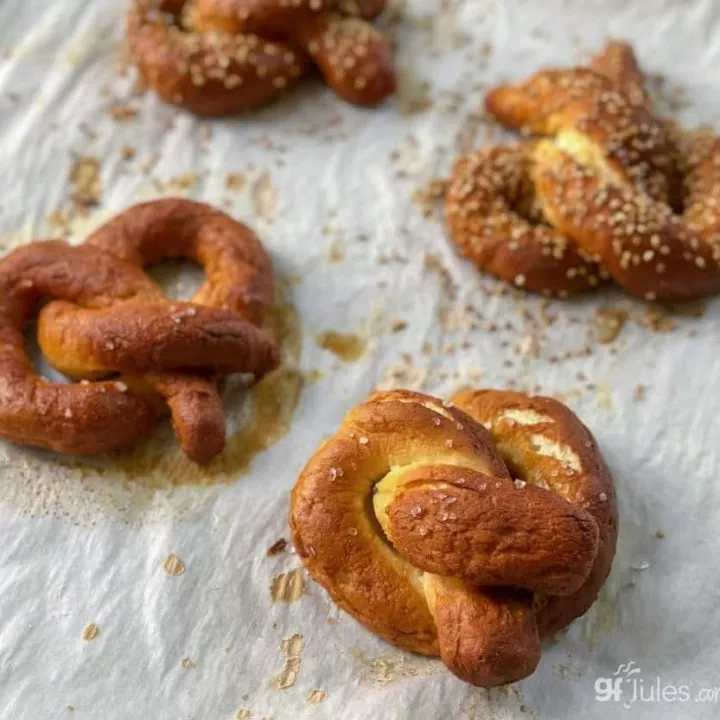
(469, 564)
(238, 54)
(142, 333)
(628, 189)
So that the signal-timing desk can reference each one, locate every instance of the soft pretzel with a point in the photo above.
(140, 332)
(627, 192)
(411, 520)
(234, 55)
(111, 317)
(609, 178)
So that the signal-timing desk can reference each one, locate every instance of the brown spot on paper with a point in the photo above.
(288, 587)
(264, 196)
(174, 565)
(347, 347)
(244, 715)
(292, 647)
(315, 697)
(609, 323)
(187, 663)
(91, 632)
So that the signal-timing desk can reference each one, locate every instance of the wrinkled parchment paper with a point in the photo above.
(125, 596)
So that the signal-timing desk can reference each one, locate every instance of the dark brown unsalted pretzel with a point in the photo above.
(111, 317)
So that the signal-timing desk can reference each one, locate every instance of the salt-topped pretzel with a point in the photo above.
(353, 57)
(409, 517)
(208, 73)
(141, 332)
(492, 213)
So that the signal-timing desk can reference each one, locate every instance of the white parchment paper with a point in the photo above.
(330, 189)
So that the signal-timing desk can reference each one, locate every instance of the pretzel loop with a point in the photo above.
(409, 517)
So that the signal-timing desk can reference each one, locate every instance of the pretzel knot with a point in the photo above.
(466, 531)
(109, 317)
(614, 192)
(216, 57)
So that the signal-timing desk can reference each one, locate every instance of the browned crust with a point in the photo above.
(618, 62)
(484, 203)
(209, 73)
(112, 318)
(591, 109)
(234, 55)
(356, 61)
(397, 442)
(651, 252)
(489, 532)
(589, 487)
(143, 336)
(354, 58)
(238, 269)
(487, 637)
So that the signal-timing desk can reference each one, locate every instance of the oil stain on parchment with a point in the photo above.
(292, 647)
(288, 587)
(315, 697)
(347, 347)
(154, 480)
(385, 670)
(91, 631)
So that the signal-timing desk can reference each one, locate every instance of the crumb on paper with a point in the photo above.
(292, 647)
(604, 397)
(187, 663)
(243, 715)
(128, 153)
(277, 547)
(398, 326)
(315, 697)
(264, 196)
(335, 252)
(183, 181)
(413, 95)
(91, 631)
(429, 195)
(236, 181)
(659, 534)
(288, 587)
(609, 322)
(174, 565)
(122, 113)
(658, 319)
(639, 392)
(86, 185)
